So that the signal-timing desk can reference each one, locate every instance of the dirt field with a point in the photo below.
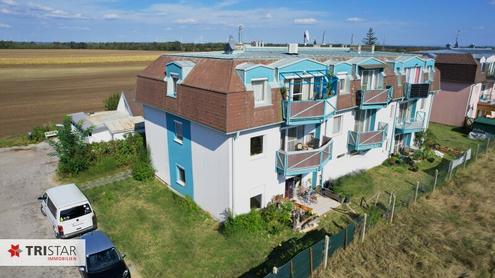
(41, 86)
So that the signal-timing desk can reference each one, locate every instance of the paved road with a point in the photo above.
(24, 174)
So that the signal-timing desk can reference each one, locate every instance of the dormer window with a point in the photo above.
(261, 92)
(175, 73)
(371, 79)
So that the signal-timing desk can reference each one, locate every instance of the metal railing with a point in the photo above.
(360, 141)
(374, 99)
(307, 111)
(301, 162)
(411, 125)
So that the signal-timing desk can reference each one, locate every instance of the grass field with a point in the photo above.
(449, 234)
(41, 86)
(168, 236)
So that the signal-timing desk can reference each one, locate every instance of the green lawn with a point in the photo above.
(452, 137)
(168, 236)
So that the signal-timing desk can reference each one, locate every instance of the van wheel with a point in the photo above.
(41, 209)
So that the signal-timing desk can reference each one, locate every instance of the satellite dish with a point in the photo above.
(230, 46)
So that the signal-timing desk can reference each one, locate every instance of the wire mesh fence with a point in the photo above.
(381, 206)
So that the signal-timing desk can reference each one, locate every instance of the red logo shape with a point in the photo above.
(14, 250)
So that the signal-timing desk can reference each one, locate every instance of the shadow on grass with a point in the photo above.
(284, 252)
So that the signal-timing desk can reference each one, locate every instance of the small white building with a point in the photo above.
(112, 125)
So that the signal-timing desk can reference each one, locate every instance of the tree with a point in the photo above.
(370, 38)
(71, 148)
(112, 102)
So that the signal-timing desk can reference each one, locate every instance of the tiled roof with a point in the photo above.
(135, 106)
(459, 59)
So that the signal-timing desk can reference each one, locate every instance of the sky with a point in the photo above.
(398, 22)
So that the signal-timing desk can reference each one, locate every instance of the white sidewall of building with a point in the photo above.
(156, 138)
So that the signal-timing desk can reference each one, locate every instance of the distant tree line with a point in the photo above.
(163, 46)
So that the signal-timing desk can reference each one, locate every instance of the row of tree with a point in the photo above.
(162, 46)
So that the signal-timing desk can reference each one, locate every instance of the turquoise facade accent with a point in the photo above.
(412, 105)
(258, 72)
(407, 139)
(370, 61)
(414, 62)
(342, 67)
(175, 69)
(313, 179)
(180, 154)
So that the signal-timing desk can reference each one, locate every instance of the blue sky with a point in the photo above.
(418, 22)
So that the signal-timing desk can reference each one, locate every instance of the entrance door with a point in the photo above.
(290, 186)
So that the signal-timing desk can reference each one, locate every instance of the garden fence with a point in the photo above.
(381, 206)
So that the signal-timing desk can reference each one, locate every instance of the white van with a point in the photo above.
(68, 211)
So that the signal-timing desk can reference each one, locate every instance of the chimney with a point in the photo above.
(373, 49)
(293, 48)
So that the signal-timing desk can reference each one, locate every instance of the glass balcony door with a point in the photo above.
(301, 88)
(297, 139)
(371, 79)
(414, 76)
(364, 120)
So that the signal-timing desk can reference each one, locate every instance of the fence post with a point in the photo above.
(465, 160)
(311, 261)
(451, 164)
(275, 270)
(477, 151)
(416, 192)
(363, 230)
(325, 258)
(393, 209)
(436, 180)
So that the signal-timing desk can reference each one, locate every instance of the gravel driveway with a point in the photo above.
(24, 174)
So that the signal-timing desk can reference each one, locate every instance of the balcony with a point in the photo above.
(291, 163)
(302, 112)
(363, 141)
(374, 99)
(415, 124)
(415, 91)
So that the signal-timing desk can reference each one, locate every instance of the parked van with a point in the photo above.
(68, 211)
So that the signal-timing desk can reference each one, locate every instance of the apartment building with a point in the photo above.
(467, 87)
(232, 130)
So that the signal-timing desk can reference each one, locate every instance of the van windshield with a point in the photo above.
(75, 212)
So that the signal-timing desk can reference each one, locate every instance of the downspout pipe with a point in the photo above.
(232, 183)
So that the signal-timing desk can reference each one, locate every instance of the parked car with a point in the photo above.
(102, 258)
(68, 211)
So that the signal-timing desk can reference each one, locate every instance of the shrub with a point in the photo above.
(124, 152)
(72, 150)
(249, 223)
(141, 168)
(112, 102)
(277, 216)
(37, 134)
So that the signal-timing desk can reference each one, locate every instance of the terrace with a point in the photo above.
(414, 124)
(374, 99)
(307, 158)
(310, 99)
(363, 141)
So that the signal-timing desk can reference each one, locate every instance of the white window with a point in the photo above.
(337, 124)
(261, 94)
(295, 136)
(178, 132)
(301, 88)
(255, 202)
(181, 175)
(344, 84)
(172, 81)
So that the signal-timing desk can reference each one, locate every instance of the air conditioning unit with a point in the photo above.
(293, 48)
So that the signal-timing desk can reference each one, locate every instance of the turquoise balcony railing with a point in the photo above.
(302, 112)
(410, 125)
(363, 141)
(375, 99)
(415, 91)
(291, 163)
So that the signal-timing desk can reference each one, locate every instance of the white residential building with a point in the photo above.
(234, 130)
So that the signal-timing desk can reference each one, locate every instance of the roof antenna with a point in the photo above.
(352, 39)
(323, 39)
